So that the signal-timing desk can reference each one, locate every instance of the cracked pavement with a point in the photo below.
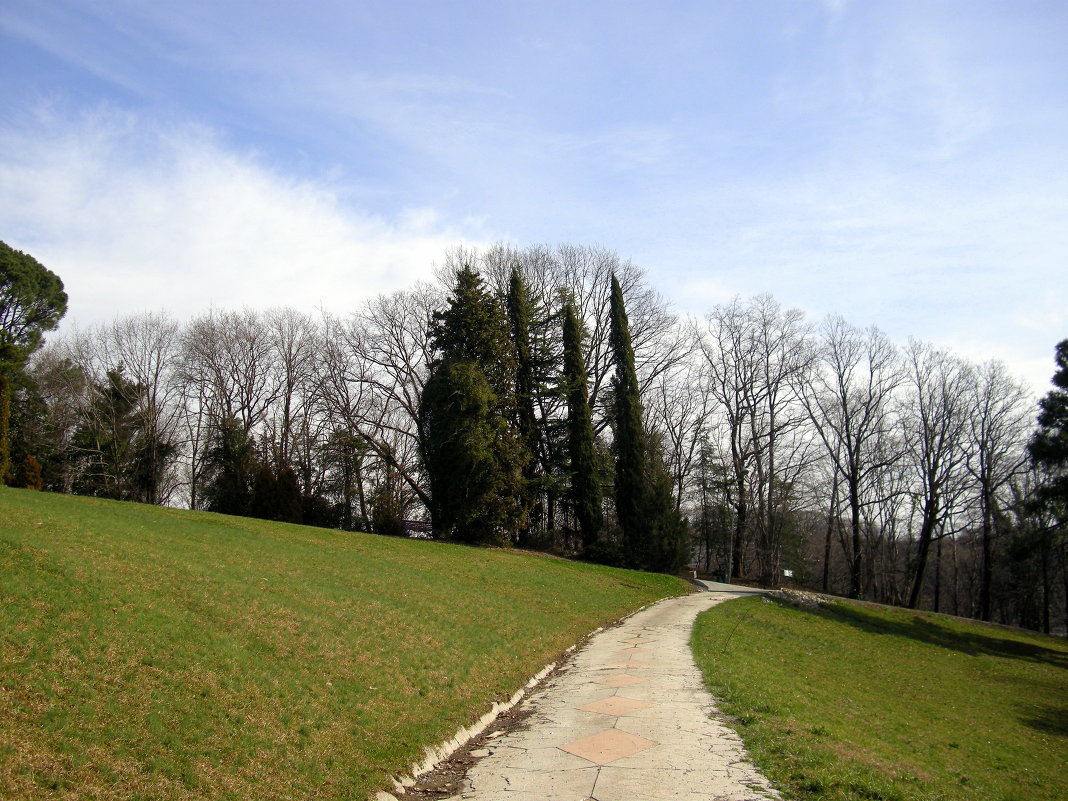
(628, 720)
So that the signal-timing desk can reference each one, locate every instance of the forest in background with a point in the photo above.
(751, 443)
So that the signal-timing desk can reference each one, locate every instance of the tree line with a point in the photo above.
(548, 397)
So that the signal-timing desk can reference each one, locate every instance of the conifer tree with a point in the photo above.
(586, 497)
(519, 314)
(630, 445)
(472, 454)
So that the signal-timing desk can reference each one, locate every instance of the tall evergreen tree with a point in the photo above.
(586, 497)
(473, 456)
(630, 444)
(519, 305)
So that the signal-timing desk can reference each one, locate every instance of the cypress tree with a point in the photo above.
(519, 321)
(630, 445)
(585, 493)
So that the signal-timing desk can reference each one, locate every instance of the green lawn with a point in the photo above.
(149, 653)
(854, 701)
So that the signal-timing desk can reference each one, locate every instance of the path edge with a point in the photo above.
(434, 755)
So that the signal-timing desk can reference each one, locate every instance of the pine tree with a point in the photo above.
(586, 497)
(473, 456)
(630, 445)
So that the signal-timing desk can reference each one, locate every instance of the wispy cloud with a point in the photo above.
(130, 212)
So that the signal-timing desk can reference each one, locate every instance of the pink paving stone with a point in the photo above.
(607, 746)
(623, 680)
(632, 651)
(639, 641)
(617, 705)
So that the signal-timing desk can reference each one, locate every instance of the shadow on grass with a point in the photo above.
(922, 629)
(1047, 719)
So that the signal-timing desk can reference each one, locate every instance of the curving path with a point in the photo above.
(628, 720)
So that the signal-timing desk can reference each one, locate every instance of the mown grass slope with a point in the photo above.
(149, 653)
(852, 701)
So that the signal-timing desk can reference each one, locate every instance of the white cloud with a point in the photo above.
(135, 215)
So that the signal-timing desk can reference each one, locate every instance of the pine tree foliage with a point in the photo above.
(476, 481)
(586, 496)
(472, 327)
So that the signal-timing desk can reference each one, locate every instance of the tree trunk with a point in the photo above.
(923, 552)
(985, 578)
(827, 539)
(855, 562)
(5, 429)
(739, 539)
(1046, 588)
(938, 577)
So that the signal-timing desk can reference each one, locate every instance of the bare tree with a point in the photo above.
(756, 356)
(849, 401)
(677, 408)
(1000, 418)
(376, 370)
(936, 428)
(230, 355)
(296, 342)
(731, 376)
(146, 345)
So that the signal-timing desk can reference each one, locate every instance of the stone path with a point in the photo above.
(627, 721)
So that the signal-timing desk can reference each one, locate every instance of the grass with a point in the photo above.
(854, 701)
(150, 653)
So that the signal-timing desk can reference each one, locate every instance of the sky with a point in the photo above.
(902, 164)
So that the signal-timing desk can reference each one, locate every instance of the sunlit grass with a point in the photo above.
(854, 701)
(161, 654)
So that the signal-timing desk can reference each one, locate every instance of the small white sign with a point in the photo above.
(788, 573)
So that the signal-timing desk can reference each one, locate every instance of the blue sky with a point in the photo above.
(901, 163)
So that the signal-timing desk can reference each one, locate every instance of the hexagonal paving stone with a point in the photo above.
(607, 746)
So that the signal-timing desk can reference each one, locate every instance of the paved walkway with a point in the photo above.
(627, 721)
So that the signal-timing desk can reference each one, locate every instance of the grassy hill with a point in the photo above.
(150, 653)
(856, 701)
